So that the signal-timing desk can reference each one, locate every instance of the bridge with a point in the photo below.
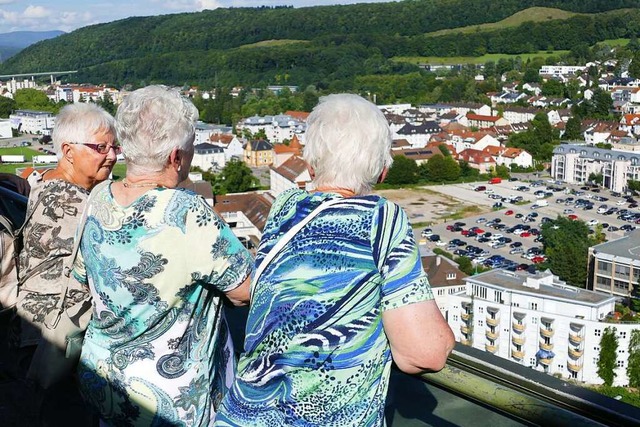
(32, 75)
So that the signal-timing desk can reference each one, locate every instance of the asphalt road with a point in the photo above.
(506, 189)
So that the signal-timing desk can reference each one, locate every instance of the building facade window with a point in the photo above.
(597, 332)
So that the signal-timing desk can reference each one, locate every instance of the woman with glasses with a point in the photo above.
(157, 260)
(85, 143)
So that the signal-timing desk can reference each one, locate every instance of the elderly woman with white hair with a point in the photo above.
(344, 296)
(85, 142)
(157, 260)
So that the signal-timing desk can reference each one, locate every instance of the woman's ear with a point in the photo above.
(175, 159)
(67, 152)
(312, 172)
(383, 175)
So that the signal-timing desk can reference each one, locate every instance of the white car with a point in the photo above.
(621, 202)
(593, 222)
(426, 232)
(441, 243)
(496, 236)
(567, 211)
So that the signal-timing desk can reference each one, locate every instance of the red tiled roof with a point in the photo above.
(292, 168)
(255, 206)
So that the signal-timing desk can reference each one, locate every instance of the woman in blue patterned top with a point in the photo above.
(345, 297)
(157, 260)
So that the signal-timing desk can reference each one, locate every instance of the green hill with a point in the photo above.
(327, 46)
(532, 14)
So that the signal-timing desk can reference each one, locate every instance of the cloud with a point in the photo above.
(35, 12)
(209, 4)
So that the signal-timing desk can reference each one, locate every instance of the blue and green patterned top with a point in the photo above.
(157, 350)
(316, 351)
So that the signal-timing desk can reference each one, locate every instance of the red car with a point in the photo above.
(525, 234)
(538, 259)
(464, 232)
(477, 230)
(572, 216)
(449, 227)
(509, 212)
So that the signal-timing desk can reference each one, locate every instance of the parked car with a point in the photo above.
(515, 245)
(434, 237)
(480, 188)
(509, 212)
(593, 222)
(573, 217)
(516, 251)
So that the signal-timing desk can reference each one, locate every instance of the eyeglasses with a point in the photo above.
(101, 148)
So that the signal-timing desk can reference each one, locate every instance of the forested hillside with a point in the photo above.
(341, 42)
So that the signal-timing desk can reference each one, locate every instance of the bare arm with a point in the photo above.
(420, 337)
(241, 294)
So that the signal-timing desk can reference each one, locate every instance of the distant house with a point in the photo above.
(208, 157)
(419, 155)
(445, 278)
(519, 114)
(509, 156)
(230, 143)
(284, 152)
(418, 135)
(258, 153)
(599, 131)
(31, 121)
(277, 128)
(293, 173)
(478, 159)
(246, 215)
(481, 122)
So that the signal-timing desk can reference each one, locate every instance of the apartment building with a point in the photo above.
(614, 266)
(575, 163)
(540, 322)
(31, 121)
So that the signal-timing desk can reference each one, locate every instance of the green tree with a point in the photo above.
(33, 99)
(633, 185)
(633, 362)
(502, 171)
(7, 106)
(107, 103)
(608, 355)
(596, 178)
(440, 168)
(403, 171)
(566, 245)
(237, 177)
(573, 130)
(634, 66)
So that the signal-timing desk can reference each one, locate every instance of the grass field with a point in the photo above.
(273, 43)
(533, 14)
(454, 60)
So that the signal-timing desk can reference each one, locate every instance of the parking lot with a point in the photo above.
(514, 212)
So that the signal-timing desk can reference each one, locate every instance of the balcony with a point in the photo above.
(465, 330)
(575, 367)
(465, 342)
(575, 339)
(492, 335)
(518, 355)
(476, 385)
(545, 346)
(576, 327)
(490, 348)
(517, 340)
(575, 353)
(545, 361)
(518, 327)
(547, 333)
(492, 321)
(465, 317)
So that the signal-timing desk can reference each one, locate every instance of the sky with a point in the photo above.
(68, 15)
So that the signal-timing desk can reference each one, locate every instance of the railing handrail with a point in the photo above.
(528, 394)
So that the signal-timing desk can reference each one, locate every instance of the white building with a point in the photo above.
(205, 131)
(614, 266)
(561, 70)
(30, 121)
(277, 128)
(5, 128)
(293, 173)
(574, 164)
(538, 321)
(208, 157)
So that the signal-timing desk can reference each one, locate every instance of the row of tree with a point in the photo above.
(608, 357)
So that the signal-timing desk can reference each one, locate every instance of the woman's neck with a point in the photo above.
(344, 192)
(65, 172)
